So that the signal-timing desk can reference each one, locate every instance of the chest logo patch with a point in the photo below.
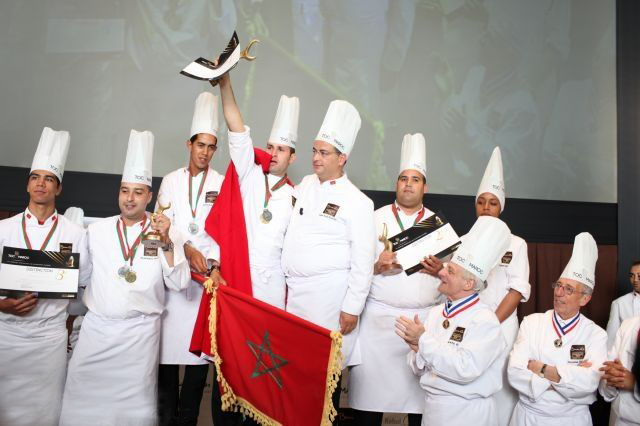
(506, 259)
(66, 248)
(331, 209)
(293, 201)
(577, 352)
(457, 335)
(211, 197)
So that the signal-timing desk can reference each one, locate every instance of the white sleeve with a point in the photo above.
(609, 393)
(481, 345)
(577, 382)
(520, 377)
(362, 235)
(412, 361)
(241, 152)
(518, 272)
(614, 323)
(178, 276)
(166, 195)
(86, 267)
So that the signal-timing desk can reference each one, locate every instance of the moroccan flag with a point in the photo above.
(272, 366)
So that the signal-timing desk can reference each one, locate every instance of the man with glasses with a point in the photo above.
(190, 193)
(555, 360)
(329, 248)
(624, 307)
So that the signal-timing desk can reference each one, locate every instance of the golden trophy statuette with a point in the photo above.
(394, 268)
(153, 239)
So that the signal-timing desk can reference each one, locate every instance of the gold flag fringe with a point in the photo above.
(231, 402)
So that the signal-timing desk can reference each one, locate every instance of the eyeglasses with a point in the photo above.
(568, 290)
(324, 153)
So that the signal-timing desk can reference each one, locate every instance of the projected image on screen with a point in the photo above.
(536, 78)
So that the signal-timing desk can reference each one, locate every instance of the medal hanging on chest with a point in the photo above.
(129, 252)
(562, 330)
(193, 227)
(266, 215)
(450, 310)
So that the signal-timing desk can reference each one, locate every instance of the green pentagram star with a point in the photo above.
(263, 367)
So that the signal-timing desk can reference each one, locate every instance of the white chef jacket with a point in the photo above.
(112, 374)
(624, 307)
(626, 404)
(265, 239)
(328, 252)
(33, 346)
(374, 384)
(181, 308)
(542, 401)
(460, 373)
(109, 295)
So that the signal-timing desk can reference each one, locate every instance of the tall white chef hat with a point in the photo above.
(75, 215)
(138, 165)
(413, 154)
(582, 265)
(51, 154)
(285, 125)
(483, 246)
(205, 115)
(340, 126)
(493, 179)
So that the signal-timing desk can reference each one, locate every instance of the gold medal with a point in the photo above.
(557, 343)
(130, 276)
(445, 323)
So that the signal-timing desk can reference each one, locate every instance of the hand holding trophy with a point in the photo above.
(388, 265)
(160, 225)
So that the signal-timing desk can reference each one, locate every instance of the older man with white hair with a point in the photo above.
(459, 350)
(555, 360)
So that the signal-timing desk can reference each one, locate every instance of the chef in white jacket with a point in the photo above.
(624, 307)
(458, 351)
(508, 283)
(190, 192)
(383, 383)
(112, 377)
(620, 383)
(33, 342)
(555, 359)
(266, 197)
(329, 248)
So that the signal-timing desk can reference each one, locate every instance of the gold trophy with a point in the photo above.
(153, 239)
(394, 268)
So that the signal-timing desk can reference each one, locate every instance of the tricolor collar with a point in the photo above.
(565, 325)
(32, 220)
(454, 307)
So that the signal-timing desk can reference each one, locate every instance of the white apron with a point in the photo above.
(526, 415)
(445, 410)
(178, 319)
(383, 382)
(33, 360)
(268, 285)
(112, 379)
(319, 299)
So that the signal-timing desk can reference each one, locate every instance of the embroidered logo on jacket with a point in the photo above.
(578, 352)
(506, 259)
(331, 209)
(457, 335)
(66, 248)
(211, 197)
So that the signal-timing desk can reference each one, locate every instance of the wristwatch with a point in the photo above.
(541, 373)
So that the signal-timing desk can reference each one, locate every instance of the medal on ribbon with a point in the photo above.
(563, 330)
(450, 310)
